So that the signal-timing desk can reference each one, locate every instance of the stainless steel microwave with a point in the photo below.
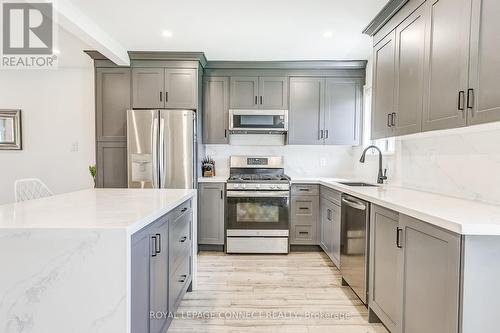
(258, 121)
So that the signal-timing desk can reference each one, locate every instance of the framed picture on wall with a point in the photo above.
(10, 130)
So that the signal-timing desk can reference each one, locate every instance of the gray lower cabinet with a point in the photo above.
(160, 269)
(324, 111)
(111, 161)
(113, 99)
(211, 213)
(173, 88)
(484, 71)
(431, 278)
(414, 274)
(330, 221)
(216, 110)
(385, 259)
(304, 220)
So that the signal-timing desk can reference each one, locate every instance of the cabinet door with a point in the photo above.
(306, 114)
(484, 98)
(148, 88)
(410, 54)
(216, 110)
(159, 274)
(336, 234)
(112, 102)
(141, 252)
(211, 214)
(431, 278)
(385, 259)
(326, 227)
(304, 212)
(446, 64)
(343, 102)
(384, 63)
(181, 88)
(111, 164)
(244, 92)
(273, 93)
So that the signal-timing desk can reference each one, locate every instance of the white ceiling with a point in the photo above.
(239, 30)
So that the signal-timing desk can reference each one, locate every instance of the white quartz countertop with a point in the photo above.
(464, 217)
(216, 179)
(128, 209)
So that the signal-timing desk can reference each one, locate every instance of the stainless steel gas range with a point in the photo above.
(258, 197)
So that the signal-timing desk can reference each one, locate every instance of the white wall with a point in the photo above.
(300, 161)
(57, 112)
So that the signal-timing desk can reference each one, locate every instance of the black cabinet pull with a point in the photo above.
(398, 237)
(166, 96)
(183, 278)
(393, 119)
(183, 209)
(256, 100)
(221, 194)
(461, 95)
(321, 134)
(260, 100)
(470, 99)
(153, 246)
(158, 237)
(225, 133)
(389, 122)
(303, 208)
(183, 239)
(303, 232)
(326, 134)
(161, 99)
(304, 189)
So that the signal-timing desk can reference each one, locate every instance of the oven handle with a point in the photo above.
(257, 194)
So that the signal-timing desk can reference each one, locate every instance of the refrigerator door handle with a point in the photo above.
(154, 145)
(161, 139)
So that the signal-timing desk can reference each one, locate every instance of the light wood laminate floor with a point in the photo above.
(271, 293)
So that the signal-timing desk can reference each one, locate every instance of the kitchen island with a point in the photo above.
(66, 260)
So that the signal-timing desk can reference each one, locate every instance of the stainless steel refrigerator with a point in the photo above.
(161, 148)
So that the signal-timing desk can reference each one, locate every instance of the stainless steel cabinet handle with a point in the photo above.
(398, 237)
(153, 246)
(470, 99)
(328, 214)
(158, 243)
(461, 95)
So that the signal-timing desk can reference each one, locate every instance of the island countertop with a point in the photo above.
(128, 209)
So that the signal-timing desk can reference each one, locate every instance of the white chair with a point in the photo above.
(30, 188)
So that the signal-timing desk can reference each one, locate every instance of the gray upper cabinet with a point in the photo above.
(385, 259)
(343, 104)
(306, 120)
(111, 164)
(447, 64)
(148, 88)
(431, 278)
(216, 110)
(273, 93)
(181, 88)
(211, 214)
(384, 64)
(483, 97)
(158, 88)
(409, 75)
(244, 92)
(112, 102)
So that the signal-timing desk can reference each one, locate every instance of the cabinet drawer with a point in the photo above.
(303, 234)
(180, 239)
(305, 189)
(331, 195)
(304, 210)
(179, 280)
(181, 209)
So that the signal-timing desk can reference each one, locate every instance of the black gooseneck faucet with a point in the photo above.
(381, 176)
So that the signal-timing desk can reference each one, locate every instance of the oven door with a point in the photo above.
(244, 121)
(257, 210)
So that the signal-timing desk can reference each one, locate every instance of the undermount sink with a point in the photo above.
(360, 184)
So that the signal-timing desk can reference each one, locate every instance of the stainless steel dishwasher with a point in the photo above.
(354, 244)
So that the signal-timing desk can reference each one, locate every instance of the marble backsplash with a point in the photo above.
(300, 161)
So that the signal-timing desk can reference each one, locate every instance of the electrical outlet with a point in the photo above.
(74, 147)
(322, 162)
